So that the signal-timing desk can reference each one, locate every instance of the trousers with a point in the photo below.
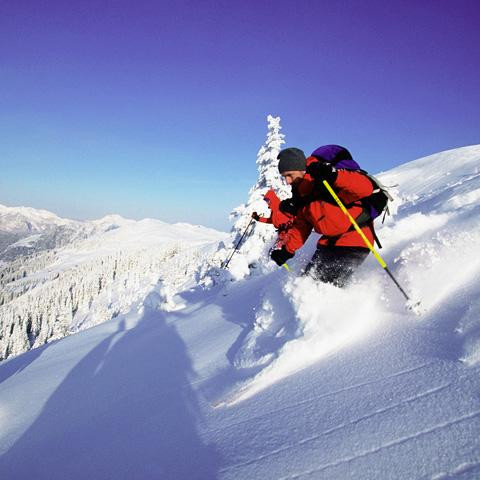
(335, 265)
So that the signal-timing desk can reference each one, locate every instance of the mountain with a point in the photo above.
(273, 376)
(26, 231)
(25, 220)
(68, 276)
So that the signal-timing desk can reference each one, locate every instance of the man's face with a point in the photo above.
(293, 177)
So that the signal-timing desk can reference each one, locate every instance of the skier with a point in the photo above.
(280, 220)
(340, 249)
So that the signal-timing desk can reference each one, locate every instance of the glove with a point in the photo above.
(256, 216)
(320, 171)
(290, 206)
(281, 256)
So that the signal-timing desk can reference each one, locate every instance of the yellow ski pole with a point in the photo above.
(364, 238)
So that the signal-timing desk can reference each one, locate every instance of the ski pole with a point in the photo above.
(364, 238)
(239, 242)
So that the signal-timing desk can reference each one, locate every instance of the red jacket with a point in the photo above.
(278, 218)
(327, 218)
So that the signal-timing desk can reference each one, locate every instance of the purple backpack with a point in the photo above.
(340, 157)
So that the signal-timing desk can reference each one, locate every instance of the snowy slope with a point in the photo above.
(274, 377)
(49, 295)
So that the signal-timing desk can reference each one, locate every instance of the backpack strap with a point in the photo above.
(362, 220)
(380, 186)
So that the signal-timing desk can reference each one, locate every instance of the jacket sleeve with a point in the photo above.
(265, 219)
(298, 233)
(352, 186)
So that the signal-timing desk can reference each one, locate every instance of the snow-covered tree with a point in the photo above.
(254, 249)
(46, 305)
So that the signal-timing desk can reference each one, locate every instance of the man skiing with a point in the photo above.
(340, 249)
(280, 220)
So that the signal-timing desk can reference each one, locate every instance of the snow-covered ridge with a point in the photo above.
(437, 172)
(26, 231)
(32, 214)
(26, 219)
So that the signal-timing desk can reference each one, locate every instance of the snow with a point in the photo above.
(146, 233)
(266, 375)
(47, 296)
(258, 237)
(318, 333)
(25, 242)
(31, 219)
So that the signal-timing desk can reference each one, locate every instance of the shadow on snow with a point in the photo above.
(126, 410)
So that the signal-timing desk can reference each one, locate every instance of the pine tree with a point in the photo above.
(267, 163)
(48, 305)
(254, 251)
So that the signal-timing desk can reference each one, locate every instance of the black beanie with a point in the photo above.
(291, 159)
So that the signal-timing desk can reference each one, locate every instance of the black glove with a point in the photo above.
(256, 216)
(290, 206)
(320, 171)
(281, 256)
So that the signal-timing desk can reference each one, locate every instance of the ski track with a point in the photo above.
(465, 467)
(325, 395)
(238, 397)
(384, 446)
(313, 438)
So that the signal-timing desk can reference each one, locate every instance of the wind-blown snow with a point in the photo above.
(344, 317)
(274, 377)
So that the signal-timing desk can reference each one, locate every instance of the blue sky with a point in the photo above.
(158, 109)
